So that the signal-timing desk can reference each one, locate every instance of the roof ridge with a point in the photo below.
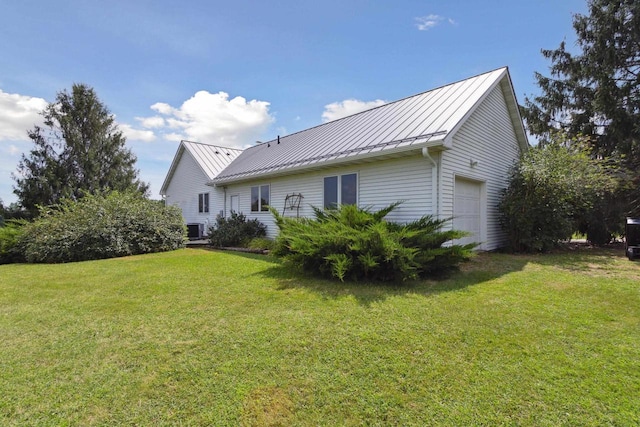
(379, 106)
(211, 145)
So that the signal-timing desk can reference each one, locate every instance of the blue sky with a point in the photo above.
(235, 72)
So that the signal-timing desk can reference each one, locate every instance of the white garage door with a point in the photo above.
(466, 209)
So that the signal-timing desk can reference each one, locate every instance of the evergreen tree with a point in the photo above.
(596, 91)
(80, 150)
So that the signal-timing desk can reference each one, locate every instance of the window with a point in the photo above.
(340, 190)
(203, 202)
(260, 198)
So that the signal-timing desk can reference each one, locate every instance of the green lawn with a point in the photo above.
(196, 337)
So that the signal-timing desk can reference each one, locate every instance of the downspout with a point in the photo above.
(224, 205)
(435, 194)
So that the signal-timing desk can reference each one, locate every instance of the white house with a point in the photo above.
(185, 185)
(445, 152)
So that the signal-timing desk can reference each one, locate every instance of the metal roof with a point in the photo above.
(211, 158)
(426, 119)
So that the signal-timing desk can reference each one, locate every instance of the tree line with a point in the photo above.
(584, 173)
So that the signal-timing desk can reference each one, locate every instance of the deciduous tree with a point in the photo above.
(552, 193)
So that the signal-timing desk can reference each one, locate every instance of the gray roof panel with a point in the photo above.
(428, 117)
(212, 159)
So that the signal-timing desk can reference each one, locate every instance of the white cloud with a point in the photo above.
(19, 113)
(212, 118)
(151, 122)
(425, 23)
(176, 137)
(136, 134)
(337, 110)
(10, 154)
(162, 108)
(207, 117)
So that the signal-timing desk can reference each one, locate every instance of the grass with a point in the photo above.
(196, 337)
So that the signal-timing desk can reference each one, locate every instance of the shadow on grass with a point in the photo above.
(482, 268)
(585, 258)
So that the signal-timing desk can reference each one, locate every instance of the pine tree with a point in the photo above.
(79, 150)
(596, 91)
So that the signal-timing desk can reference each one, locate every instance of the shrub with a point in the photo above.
(260, 243)
(103, 226)
(10, 248)
(353, 243)
(235, 230)
(552, 190)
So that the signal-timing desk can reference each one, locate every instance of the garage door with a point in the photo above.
(466, 209)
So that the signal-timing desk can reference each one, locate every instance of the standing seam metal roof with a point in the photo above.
(406, 124)
(211, 158)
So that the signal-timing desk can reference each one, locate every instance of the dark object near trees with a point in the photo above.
(235, 230)
(632, 238)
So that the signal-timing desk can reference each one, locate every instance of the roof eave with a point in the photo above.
(172, 169)
(514, 110)
(448, 143)
(327, 163)
(512, 104)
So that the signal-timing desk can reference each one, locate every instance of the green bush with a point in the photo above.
(353, 243)
(103, 226)
(552, 190)
(235, 231)
(260, 243)
(10, 248)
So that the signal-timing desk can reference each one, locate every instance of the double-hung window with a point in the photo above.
(340, 190)
(203, 202)
(260, 198)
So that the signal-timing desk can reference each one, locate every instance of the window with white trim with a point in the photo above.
(260, 198)
(203, 203)
(340, 190)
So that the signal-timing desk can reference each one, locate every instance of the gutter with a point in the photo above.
(305, 165)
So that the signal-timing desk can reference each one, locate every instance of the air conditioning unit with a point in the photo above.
(195, 230)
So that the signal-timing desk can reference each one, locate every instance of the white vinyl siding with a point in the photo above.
(188, 182)
(380, 183)
(484, 149)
